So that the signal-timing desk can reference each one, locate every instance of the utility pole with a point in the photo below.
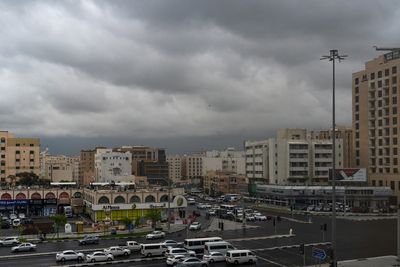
(169, 205)
(393, 49)
(333, 56)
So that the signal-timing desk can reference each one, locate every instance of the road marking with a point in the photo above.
(270, 261)
(260, 237)
(292, 246)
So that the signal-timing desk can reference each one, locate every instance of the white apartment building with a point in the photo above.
(58, 167)
(113, 166)
(230, 160)
(294, 157)
(175, 168)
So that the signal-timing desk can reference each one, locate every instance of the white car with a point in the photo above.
(174, 259)
(99, 256)
(133, 245)
(172, 243)
(24, 247)
(260, 217)
(250, 218)
(117, 251)
(195, 226)
(155, 235)
(180, 251)
(13, 216)
(214, 257)
(192, 261)
(69, 255)
(16, 222)
(21, 216)
(9, 241)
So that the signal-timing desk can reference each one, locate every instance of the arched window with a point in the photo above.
(6, 196)
(104, 200)
(3, 140)
(150, 198)
(135, 199)
(36, 196)
(64, 195)
(77, 195)
(164, 198)
(119, 200)
(50, 195)
(20, 196)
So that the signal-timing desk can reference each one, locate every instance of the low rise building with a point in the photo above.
(218, 183)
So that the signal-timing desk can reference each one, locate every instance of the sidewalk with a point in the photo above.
(103, 235)
(383, 261)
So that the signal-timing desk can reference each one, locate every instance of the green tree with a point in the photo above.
(154, 215)
(126, 221)
(58, 220)
(27, 178)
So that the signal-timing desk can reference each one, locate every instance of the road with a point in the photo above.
(355, 239)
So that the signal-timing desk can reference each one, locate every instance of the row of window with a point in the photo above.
(379, 74)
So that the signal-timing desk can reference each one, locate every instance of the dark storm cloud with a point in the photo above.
(160, 69)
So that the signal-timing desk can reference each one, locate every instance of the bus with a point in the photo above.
(197, 244)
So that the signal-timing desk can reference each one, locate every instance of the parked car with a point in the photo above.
(99, 256)
(260, 217)
(133, 245)
(155, 235)
(9, 241)
(89, 239)
(250, 218)
(214, 257)
(174, 259)
(192, 262)
(13, 216)
(117, 251)
(21, 216)
(172, 243)
(16, 222)
(212, 212)
(69, 255)
(195, 226)
(23, 247)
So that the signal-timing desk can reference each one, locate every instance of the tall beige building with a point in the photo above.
(376, 120)
(175, 168)
(18, 155)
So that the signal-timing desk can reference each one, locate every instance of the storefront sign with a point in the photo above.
(17, 202)
(36, 202)
(52, 201)
(110, 207)
(153, 206)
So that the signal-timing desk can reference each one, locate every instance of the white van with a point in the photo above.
(154, 249)
(240, 256)
(221, 246)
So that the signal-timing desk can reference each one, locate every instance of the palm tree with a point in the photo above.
(58, 220)
(12, 179)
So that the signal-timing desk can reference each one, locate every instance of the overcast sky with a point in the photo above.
(184, 75)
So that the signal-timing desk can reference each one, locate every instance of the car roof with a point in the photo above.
(65, 251)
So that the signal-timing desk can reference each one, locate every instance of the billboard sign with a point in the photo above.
(349, 175)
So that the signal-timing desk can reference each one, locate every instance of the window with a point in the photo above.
(17, 152)
(17, 144)
(356, 81)
(394, 100)
(394, 70)
(356, 90)
(379, 74)
(386, 72)
(372, 75)
(394, 80)
(380, 183)
(379, 84)
(395, 151)
(394, 121)
(395, 141)
(394, 110)
(392, 185)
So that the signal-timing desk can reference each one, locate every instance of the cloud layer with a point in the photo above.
(161, 69)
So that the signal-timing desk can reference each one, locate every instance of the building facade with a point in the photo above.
(217, 183)
(376, 118)
(230, 160)
(18, 155)
(175, 168)
(113, 166)
(87, 167)
(295, 156)
(59, 167)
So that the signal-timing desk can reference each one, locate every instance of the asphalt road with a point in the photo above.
(355, 239)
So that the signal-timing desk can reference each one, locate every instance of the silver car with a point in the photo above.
(99, 256)
(117, 251)
(192, 262)
(24, 247)
(69, 255)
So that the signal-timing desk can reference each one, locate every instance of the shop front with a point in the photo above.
(117, 212)
(13, 206)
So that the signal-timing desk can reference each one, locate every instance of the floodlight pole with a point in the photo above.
(333, 56)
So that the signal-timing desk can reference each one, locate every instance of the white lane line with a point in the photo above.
(270, 261)
(260, 237)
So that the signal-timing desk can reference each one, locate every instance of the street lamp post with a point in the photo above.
(169, 205)
(333, 56)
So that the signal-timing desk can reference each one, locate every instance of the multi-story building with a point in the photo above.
(18, 155)
(58, 168)
(218, 183)
(87, 167)
(376, 120)
(113, 166)
(175, 168)
(227, 160)
(257, 160)
(147, 161)
(192, 168)
(293, 157)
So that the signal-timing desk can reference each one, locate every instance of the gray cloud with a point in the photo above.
(163, 69)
